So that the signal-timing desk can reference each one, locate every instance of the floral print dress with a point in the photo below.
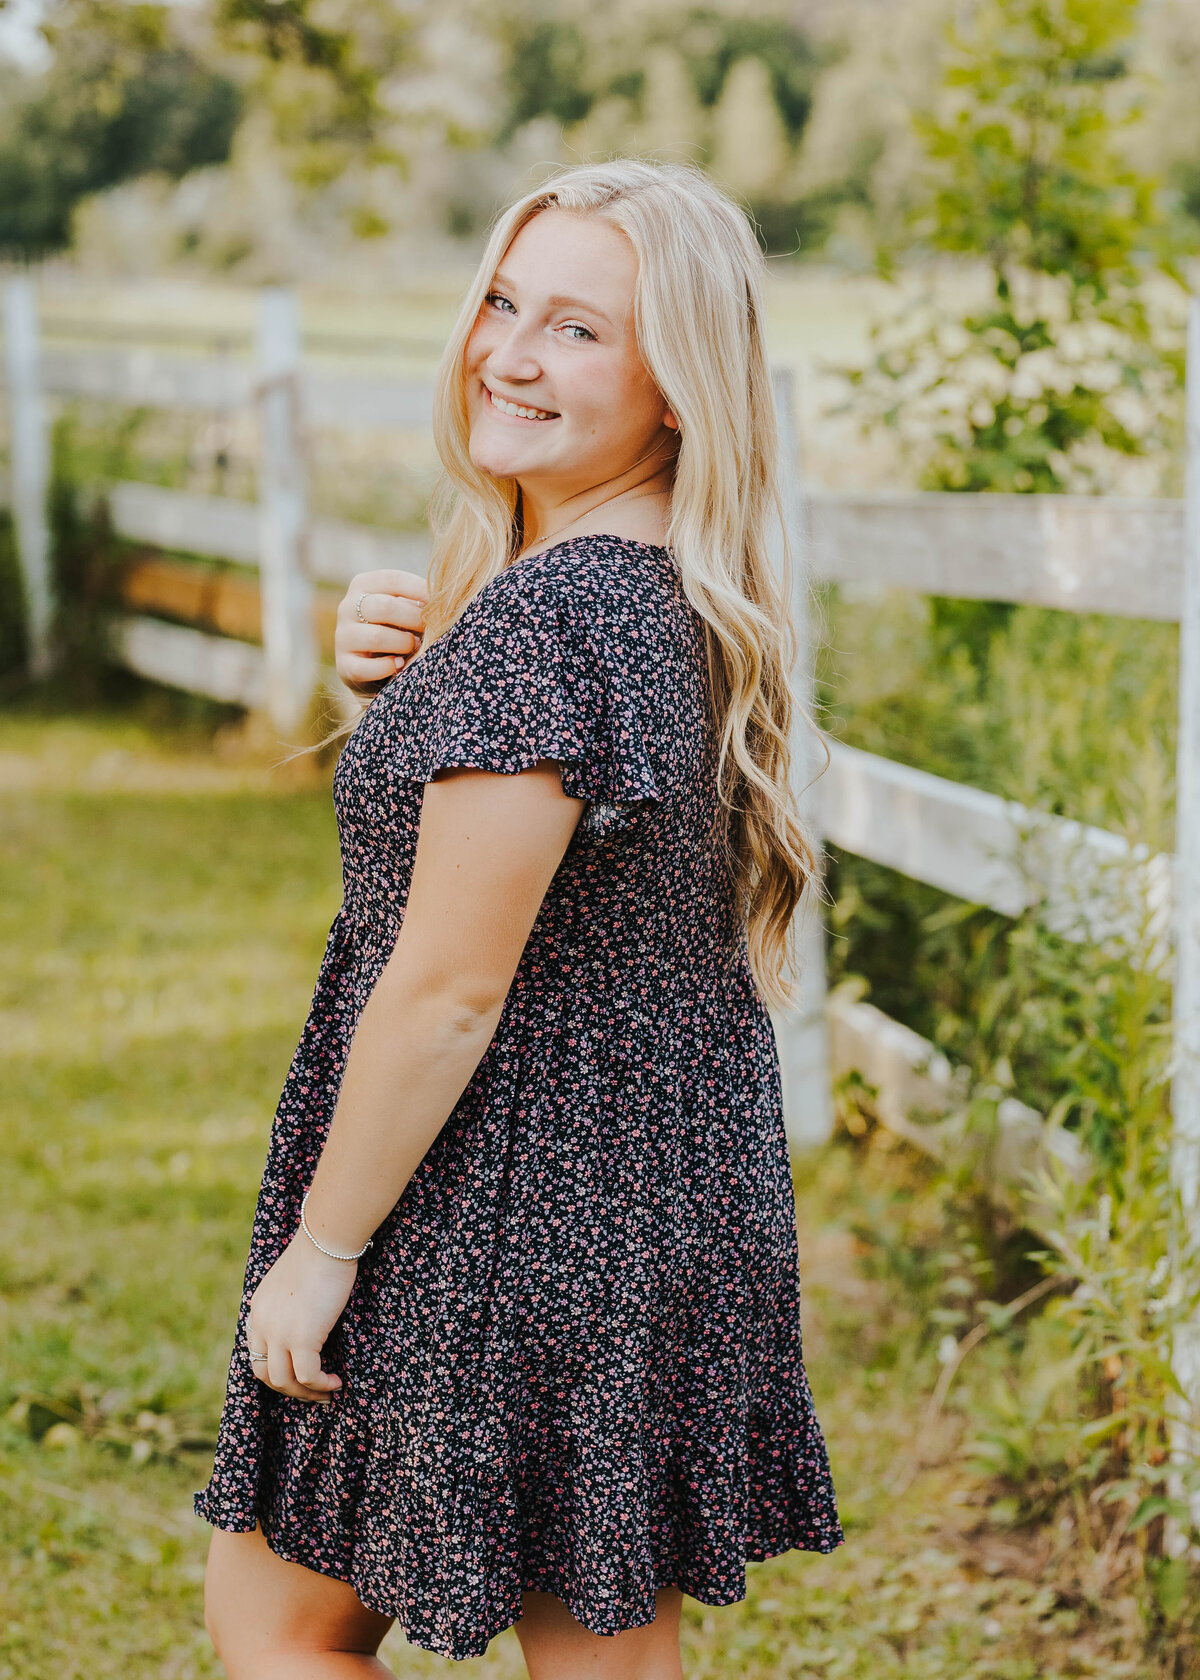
(571, 1360)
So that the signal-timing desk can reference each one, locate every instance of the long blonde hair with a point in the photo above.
(698, 317)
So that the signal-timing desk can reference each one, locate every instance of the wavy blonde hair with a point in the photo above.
(698, 317)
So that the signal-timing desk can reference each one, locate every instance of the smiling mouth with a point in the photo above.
(518, 411)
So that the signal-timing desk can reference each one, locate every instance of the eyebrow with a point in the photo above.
(558, 302)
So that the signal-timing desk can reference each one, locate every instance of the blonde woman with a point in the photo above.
(519, 1341)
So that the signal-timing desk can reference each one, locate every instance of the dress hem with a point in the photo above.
(708, 1596)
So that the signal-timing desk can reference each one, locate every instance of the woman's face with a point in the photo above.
(555, 336)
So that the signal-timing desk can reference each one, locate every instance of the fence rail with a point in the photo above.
(1121, 557)
(214, 525)
(1128, 557)
(1083, 554)
(142, 378)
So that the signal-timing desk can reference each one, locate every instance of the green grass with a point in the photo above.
(162, 917)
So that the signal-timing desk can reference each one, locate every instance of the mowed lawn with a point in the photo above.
(163, 918)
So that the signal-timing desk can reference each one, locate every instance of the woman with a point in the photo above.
(519, 1341)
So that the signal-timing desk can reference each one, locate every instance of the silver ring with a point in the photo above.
(358, 612)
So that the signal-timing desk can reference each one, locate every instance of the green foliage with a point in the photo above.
(1025, 1436)
(547, 72)
(121, 98)
(561, 65)
(553, 67)
(712, 42)
(12, 603)
(1122, 1231)
(1072, 356)
(163, 917)
(1074, 715)
(317, 70)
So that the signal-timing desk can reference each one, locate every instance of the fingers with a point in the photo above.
(377, 608)
(388, 582)
(306, 1363)
(371, 648)
(297, 1373)
(397, 598)
(364, 676)
(361, 666)
(367, 654)
(367, 674)
(376, 638)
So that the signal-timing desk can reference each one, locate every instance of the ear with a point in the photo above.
(670, 420)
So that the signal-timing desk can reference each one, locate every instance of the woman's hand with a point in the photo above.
(292, 1312)
(393, 604)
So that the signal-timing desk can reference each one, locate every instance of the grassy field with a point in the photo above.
(163, 916)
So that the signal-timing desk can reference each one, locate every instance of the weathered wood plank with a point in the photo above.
(978, 567)
(289, 639)
(141, 377)
(350, 402)
(229, 603)
(178, 519)
(1106, 554)
(30, 450)
(919, 1096)
(339, 549)
(973, 844)
(217, 666)
(144, 378)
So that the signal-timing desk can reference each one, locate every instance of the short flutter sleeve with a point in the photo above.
(524, 676)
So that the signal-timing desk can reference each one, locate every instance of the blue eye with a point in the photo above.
(571, 326)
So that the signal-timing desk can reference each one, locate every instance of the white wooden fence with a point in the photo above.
(1138, 558)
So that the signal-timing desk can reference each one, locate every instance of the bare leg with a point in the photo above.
(273, 1620)
(556, 1647)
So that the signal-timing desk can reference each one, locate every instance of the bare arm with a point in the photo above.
(487, 851)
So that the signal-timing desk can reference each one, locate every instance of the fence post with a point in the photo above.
(288, 631)
(803, 1037)
(30, 465)
(1185, 1088)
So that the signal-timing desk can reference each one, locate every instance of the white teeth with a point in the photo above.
(521, 413)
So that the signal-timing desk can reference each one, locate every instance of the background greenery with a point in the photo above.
(1020, 176)
(291, 139)
(164, 914)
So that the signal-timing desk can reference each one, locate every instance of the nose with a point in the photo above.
(514, 354)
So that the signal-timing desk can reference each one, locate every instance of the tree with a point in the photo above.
(1073, 356)
(121, 98)
(322, 70)
(750, 150)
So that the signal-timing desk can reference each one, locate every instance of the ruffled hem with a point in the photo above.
(444, 1547)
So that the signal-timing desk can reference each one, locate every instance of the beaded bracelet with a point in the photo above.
(321, 1246)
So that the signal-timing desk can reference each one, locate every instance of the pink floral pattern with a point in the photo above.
(572, 1358)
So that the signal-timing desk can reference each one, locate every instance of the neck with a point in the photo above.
(546, 511)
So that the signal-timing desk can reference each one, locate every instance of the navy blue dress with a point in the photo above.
(572, 1358)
